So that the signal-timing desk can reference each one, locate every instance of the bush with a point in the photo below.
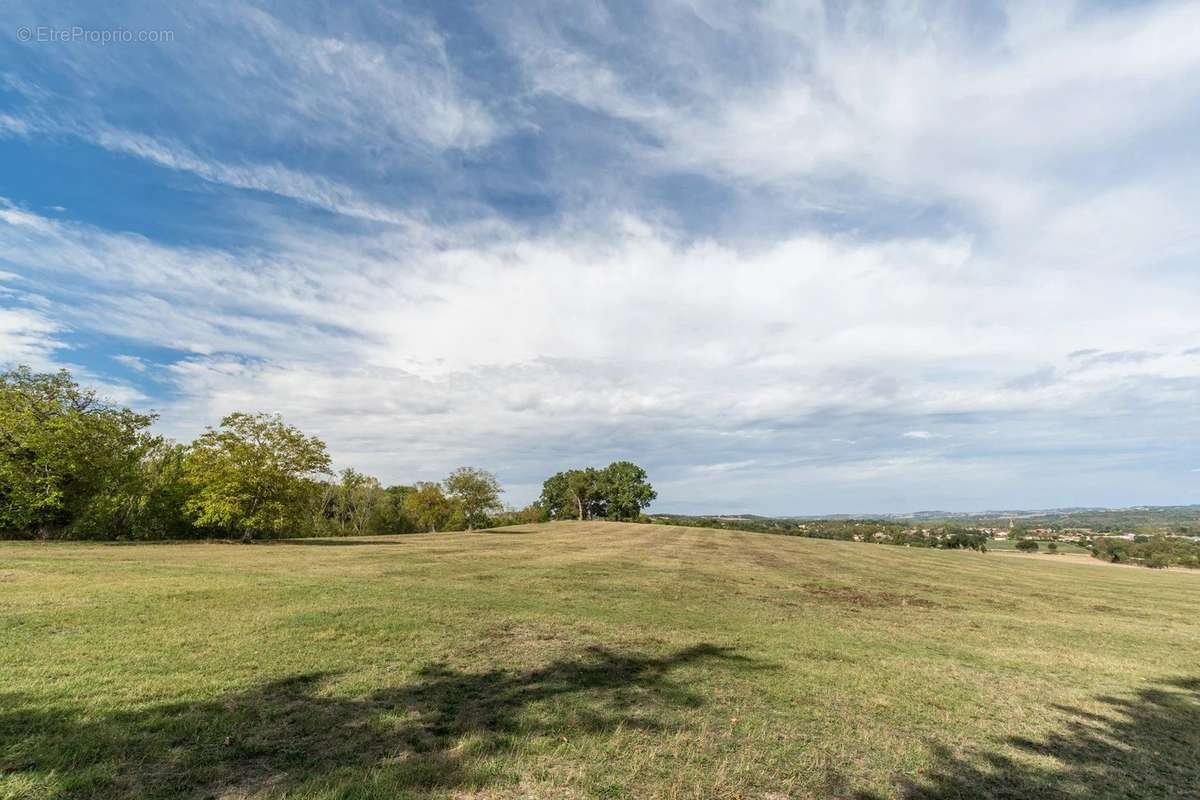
(1027, 546)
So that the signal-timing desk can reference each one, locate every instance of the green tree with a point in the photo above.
(390, 515)
(532, 513)
(428, 506)
(625, 489)
(253, 476)
(69, 461)
(353, 502)
(1027, 545)
(556, 498)
(573, 494)
(161, 494)
(476, 491)
(619, 491)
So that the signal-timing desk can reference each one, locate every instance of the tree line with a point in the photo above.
(1150, 551)
(75, 466)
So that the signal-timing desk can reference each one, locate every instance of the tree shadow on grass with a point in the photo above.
(1146, 746)
(436, 732)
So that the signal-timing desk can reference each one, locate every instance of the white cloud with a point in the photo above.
(13, 126)
(1042, 167)
(908, 99)
(273, 178)
(370, 107)
(27, 337)
(132, 362)
(236, 65)
(349, 89)
(410, 355)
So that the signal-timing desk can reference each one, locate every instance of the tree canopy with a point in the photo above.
(252, 474)
(476, 491)
(69, 461)
(353, 502)
(619, 491)
(626, 490)
(428, 505)
(73, 465)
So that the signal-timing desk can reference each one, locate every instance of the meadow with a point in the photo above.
(579, 660)
(1063, 547)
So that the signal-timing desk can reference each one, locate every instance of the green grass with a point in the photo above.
(591, 660)
(1063, 547)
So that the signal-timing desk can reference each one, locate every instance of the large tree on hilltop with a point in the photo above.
(625, 489)
(619, 491)
(573, 494)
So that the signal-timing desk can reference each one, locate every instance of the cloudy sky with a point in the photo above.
(791, 257)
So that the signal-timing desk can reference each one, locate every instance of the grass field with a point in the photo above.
(591, 660)
(1063, 547)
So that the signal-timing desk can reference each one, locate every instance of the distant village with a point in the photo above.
(1172, 540)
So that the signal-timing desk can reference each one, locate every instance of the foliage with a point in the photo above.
(428, 506)
(529, 515)
(69, 462)
(476, 492)
(1027, 545)
(573, 494)
(161, 493)
(962, 540)
(1155, 551)
(252, 476)
(72, 465)
(390, 516)
(351, 504)
(619, 491)
(625, 489)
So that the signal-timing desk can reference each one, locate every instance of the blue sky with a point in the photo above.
(791, 257)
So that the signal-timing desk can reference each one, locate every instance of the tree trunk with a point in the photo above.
(579, 504)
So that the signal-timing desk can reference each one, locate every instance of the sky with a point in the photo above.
(792, 258)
